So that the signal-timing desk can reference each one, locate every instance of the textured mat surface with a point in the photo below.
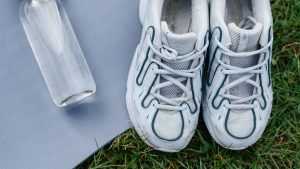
(34, 133)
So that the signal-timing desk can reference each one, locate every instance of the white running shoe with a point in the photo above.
(238, 97)
(164, 83)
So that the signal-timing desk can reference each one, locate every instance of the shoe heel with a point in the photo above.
(142, 10)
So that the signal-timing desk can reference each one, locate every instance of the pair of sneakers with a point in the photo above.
(186, 63)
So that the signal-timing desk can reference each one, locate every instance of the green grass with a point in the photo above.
(278, 148)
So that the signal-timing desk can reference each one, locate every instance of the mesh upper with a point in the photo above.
(244, 41)
(183, 44)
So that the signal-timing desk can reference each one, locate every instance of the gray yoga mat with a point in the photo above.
(36, 134)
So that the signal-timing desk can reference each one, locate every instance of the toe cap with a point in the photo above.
(168, 125)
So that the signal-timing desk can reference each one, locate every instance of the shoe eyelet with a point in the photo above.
(222, 71)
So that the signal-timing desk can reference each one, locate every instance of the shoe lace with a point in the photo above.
(164, 71)
(237, 102)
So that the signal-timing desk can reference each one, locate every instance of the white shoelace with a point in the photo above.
(242, 103)
(169, 54)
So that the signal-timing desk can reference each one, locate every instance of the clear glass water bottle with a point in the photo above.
(57, 51)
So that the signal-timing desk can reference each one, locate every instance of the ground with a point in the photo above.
(278, 148)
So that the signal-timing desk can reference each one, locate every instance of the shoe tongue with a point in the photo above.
(183, 44)
(244, 38)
